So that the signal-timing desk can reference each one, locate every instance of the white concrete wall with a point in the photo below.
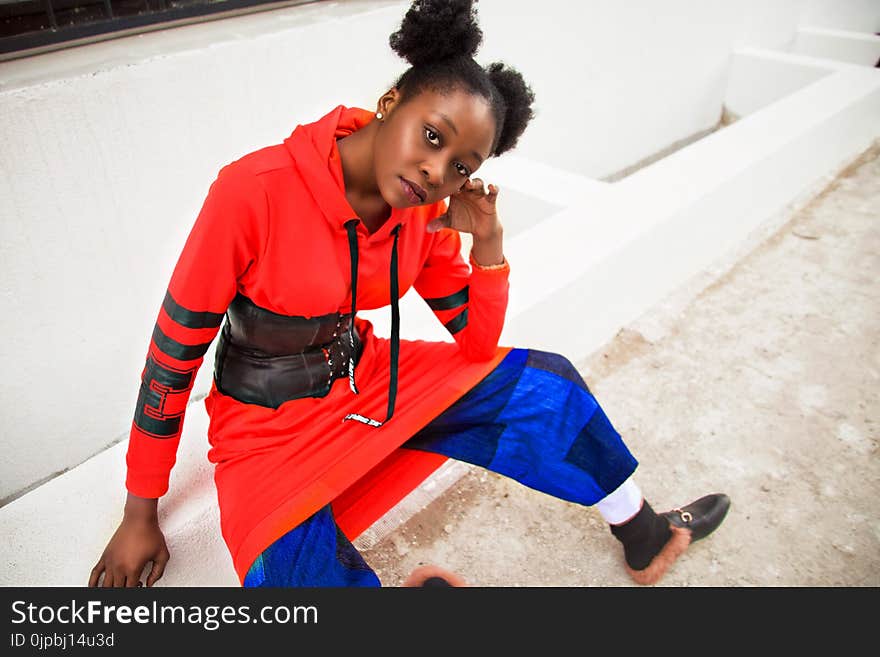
(756, 81)
(852, 47)
(619, 81)
(851, 15)
(106, 152)
(104, 164)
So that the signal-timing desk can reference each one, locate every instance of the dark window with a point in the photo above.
(35, 26)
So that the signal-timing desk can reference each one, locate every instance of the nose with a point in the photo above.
(432, 170)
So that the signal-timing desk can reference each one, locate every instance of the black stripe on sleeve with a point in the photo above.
(190, 318)
(159, 382)
(177, 350)
(457, 323)
(449, 302)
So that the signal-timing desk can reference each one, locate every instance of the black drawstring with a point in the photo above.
(351, 228)
(395, 326)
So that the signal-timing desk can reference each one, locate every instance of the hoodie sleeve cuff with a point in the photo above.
(146, 485)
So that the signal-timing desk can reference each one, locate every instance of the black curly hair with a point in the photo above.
(439, 39)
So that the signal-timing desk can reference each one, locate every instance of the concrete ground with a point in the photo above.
(763, 383)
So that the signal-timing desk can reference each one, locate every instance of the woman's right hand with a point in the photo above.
(137, 540)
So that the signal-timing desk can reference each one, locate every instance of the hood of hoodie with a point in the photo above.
(316, 156)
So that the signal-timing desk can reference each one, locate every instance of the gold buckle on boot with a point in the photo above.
(686, 516)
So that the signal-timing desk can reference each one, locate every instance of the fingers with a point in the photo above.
(122, 580)
(471, 209)
(96, 574)
(477, 186)
(119, 579)
(480, 189)
(439, 223)
(108, 579)
(158, 567)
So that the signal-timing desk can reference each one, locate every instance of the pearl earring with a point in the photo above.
(379, 115)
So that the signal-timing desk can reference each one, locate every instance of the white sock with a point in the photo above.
(622, 504)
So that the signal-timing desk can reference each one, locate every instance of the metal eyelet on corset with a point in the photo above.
(329, 358)
(329, 354)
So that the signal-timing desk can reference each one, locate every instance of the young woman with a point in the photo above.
(317, 425)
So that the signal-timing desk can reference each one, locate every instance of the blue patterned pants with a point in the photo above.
(532, 419)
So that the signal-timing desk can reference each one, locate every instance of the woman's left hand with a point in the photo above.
(471, 210)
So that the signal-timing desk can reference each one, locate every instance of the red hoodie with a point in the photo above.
(272, 228)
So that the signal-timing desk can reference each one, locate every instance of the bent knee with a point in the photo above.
(557, 364)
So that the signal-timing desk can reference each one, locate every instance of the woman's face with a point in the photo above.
(430, 144)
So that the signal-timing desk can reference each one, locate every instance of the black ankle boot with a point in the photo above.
(685, 525)
(702, 516)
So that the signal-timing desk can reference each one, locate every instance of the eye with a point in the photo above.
(462, 170)
(432, 137)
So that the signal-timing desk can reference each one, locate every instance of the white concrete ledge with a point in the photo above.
(55, 534)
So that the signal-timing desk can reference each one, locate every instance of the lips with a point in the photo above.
(415, 193)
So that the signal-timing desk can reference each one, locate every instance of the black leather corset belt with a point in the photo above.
(267, 359)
